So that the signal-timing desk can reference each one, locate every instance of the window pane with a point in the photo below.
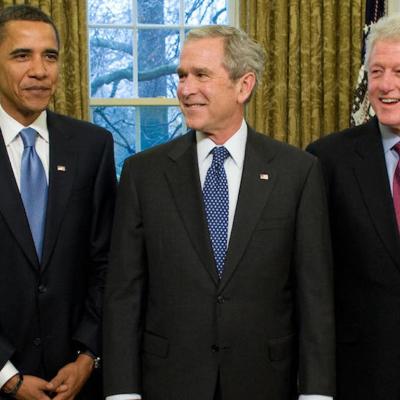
(110, 11)
(159, 125)
(120, 121)
(159, 51)
(204, 12)
(158, 12)
(138, 128)
(111, 63)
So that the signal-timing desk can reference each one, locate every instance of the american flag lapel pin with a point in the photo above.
(264, 177)
(61, 168)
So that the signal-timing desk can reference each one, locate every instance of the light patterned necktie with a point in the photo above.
(396, 186)
(216, 202)
(33, 186)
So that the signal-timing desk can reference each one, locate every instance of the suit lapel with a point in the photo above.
(12, 208)
(253, 196)
(62, 170)
(184, 181)
(371, 174)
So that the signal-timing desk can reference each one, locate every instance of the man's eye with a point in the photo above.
(375, 71)
(21, 56)
(52, 57)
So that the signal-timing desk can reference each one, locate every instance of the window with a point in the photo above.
(133, 54)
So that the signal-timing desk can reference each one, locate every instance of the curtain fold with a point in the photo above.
(69, 16)
(313, 52)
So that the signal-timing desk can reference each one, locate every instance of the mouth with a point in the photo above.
(389, 100)
(39, 89)
(192, 106)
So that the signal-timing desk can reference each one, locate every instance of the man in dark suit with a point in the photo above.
(57, 195)
(363, 190)
(220, 272)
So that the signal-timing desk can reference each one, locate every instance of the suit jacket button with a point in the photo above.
(37, 341)
(220, 299)
(42, 288)
(214, 348)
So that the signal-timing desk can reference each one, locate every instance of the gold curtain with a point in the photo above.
(313, 52)
(70, 18)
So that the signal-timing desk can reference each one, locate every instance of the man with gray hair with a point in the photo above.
(362, 173)
(220, 281)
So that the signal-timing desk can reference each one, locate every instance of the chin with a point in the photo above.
(194, 125)
(392, 122)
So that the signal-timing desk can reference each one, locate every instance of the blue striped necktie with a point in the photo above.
(33, 186)
(216, 202)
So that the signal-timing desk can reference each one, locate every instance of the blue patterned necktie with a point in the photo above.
(216, 202)
(33, 188)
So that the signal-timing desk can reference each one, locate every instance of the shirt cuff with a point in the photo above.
(7, 372)
(132, 396)
(314, 397)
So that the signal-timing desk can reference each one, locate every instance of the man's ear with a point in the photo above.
(246, 86)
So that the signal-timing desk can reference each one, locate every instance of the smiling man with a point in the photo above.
(362, 174)
(57, 196)
(219, 284)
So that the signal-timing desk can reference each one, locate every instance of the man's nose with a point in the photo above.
(38, 67)
(386, 83)
(188, 85)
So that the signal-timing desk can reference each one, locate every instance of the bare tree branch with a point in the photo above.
(112, 127)
(111, 45)
(127, 73)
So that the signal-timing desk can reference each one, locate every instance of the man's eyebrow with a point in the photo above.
(202, 70)
(22, 50)
(51, 51)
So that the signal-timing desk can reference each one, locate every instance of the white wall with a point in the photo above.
(393, 6)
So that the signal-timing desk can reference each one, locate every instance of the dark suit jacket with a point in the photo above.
(171, 327)
(366, 250)
(47, 311)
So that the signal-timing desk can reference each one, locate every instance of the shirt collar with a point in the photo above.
(236, 145)
(389, 139)
(10, 128)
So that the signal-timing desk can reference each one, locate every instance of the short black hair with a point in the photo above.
(24, 12)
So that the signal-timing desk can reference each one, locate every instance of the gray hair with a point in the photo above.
(387, 29)
(242, 54)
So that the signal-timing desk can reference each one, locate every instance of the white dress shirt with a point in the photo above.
(236, 145)
(389, 139)
(10, 129)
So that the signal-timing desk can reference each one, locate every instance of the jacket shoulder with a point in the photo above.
(281, 150)
(339, 144)
(75, 127)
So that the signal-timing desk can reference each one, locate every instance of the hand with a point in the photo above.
(32, 388)
(71, 378)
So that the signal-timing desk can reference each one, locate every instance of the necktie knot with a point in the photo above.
(28, 136)
(220, 154)
(396, 148)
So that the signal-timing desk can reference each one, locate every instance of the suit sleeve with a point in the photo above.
(314, 288)
(88, 332)
(125, 293)
(314, 149)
